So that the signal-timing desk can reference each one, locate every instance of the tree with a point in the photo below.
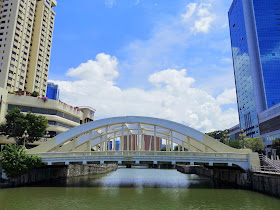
(36, 127)
(276, 145)
(16, 162)
(237, 143)
(255, 144)
(219, 134)
(17, 123)
(35, 94)
(163, 149)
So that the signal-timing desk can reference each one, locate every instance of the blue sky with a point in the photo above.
(164, 58)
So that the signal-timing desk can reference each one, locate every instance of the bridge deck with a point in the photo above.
(240, 159)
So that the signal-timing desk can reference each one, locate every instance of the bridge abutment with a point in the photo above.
(264, 183)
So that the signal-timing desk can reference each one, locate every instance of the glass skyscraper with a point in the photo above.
(255, 40)
(52, 91)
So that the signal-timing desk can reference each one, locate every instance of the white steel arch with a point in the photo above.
(100, 133)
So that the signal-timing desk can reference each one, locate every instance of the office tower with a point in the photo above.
(26, 31)
(52, 91)
(255, 39)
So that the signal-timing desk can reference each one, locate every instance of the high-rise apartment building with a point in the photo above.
(255, 39)
(26, 31)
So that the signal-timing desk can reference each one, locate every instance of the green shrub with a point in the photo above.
(16, 162)
(35, 94)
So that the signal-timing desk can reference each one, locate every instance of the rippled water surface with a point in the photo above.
(134, 189)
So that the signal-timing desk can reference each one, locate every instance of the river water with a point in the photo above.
(134, 189)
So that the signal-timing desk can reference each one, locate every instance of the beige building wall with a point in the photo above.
(17, 23)
(3, 104)
(41, 47)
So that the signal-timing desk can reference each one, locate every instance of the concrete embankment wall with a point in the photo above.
(64, 171)
(268, 184)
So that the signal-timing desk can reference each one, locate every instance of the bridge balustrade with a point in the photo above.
(143, 153)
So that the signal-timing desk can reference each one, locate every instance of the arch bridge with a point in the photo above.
(137, 140)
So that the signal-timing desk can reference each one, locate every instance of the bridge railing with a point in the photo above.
(265, 169)
(143, 153)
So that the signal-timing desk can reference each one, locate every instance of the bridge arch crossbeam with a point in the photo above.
(161, 133)
(175, 139)
(81, 138)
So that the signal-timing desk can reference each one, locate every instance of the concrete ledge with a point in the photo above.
(59, 171)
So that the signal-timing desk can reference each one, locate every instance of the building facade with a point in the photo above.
(234, 132)
(255, 40)
(26, 31)
(52, 91)
(61, 116)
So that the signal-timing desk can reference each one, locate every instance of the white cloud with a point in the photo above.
(104, 68)
(227, 97)
(110, 3)
(200, 16)
(176, 41)
(191, 7)
(172, 97)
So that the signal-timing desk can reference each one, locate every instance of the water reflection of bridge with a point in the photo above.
(75, 144)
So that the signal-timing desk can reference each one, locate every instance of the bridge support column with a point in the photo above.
(155, 162)
(66, 163)
(89, 141)
(114, 142)
(106, 138)
(127, 141)
(119, 162)
(172, 146)
(155, 138)
(121, 141)
(167, 144)
(189, 144)
(137, 162)
(139, 139)
(210, 163)
(191, 163)
(101, 161)
(143, 142)
(101, 146)
(173, 162)
(49, 163)
(84, 162)
(229, 164)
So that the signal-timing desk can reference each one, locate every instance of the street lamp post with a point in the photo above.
(47, 135)
(242, 135)
(24, 136)
(227, 136)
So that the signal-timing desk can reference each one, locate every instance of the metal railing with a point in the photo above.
(143, 153)
(270, 163)
(265, 169)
